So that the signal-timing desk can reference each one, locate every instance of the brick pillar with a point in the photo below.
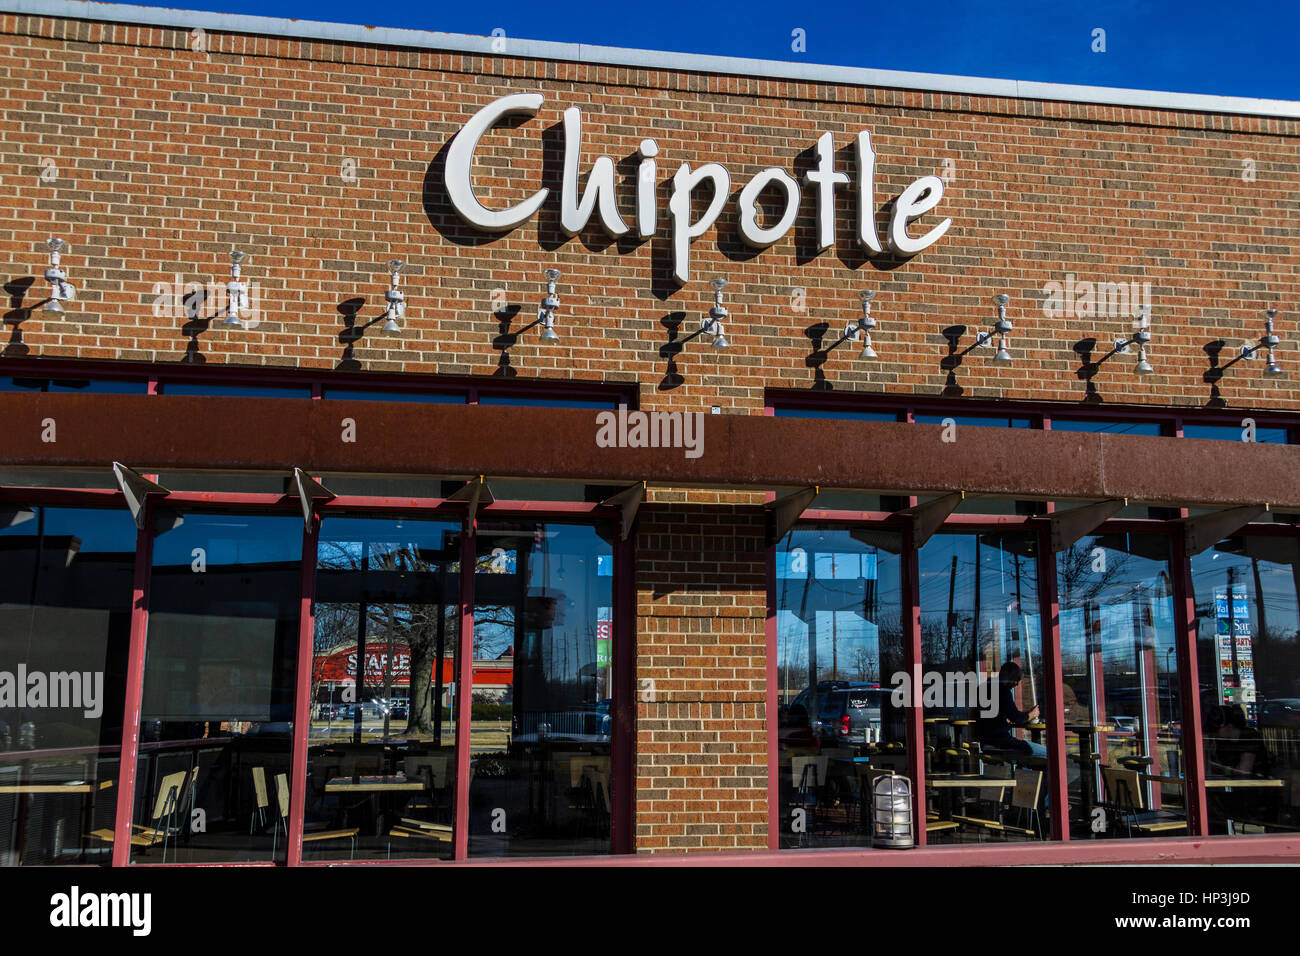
(701, 762)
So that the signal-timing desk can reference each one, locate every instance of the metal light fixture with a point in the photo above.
(236, 293)
(863, 325)
(712, 322)
(1141, 337)
(546, 314)
(999, 331)
(60, 289)
(396, 308)
(1268, 341)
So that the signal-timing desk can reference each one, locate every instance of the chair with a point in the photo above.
(1125, 793)
(1023, 804)
(431, 770)
(262, 802)
(311, 831)
(162, 826)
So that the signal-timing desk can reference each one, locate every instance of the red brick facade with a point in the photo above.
(154, 151)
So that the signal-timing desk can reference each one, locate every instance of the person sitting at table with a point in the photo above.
(995, 732)
(1239, 749)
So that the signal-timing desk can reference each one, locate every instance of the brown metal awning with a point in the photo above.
(161, 433)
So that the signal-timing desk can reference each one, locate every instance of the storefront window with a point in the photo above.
(217, 707)
(839, 642)
(1248, 656)
(983, 687)
(1122, 705)
(65, 616)
(381, 762)
(541, 721)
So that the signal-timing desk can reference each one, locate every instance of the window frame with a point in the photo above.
(623, 649)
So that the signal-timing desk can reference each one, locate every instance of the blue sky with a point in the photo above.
(1243, 48)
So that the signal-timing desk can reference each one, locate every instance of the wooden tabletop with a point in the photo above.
(53, 788)
(368, 784)
(1242, 782)
(980, 783)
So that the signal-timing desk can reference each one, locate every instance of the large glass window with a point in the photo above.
(839, 642)
(1248, 662)
(541, 711)
(381, 762)
(217, 709)
(65, 615)
(1122, 704)
(982, 688)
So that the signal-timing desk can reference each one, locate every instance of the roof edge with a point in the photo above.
(654, 59)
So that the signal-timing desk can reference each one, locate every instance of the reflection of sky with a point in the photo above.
(341, 539)
(99, 530)
(231, 539)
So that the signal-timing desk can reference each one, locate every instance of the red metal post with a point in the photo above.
(1185, 630)
(1053, 711)
(134, 689)
(464, 690)
(772, 711)
(302, 699)
(912, 664)
(623, 743)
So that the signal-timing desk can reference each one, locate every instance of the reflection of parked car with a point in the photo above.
(1280, 712)
(849, 715)
(1125, 723)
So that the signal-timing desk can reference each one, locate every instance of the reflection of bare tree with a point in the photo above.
(423, 627)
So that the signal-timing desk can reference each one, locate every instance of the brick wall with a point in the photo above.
(165, 157)
(701, 741)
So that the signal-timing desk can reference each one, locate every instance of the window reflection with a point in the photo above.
(381, 764)
(1248, 651)
(541, 720)
(982, 667)
(65, 614)
(1123, 716)
(839, 640)
(217, 708)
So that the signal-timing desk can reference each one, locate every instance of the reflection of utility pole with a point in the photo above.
(1259, 597)
(1232, 622)
(952, 617)
(363, 611)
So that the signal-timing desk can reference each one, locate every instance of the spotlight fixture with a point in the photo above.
(396, 301)
(1267, 341)
(60, 289)
(1141, 337)
(712, 322)
(546, 314)
(863, 326)
(999, 331)
(236, 293)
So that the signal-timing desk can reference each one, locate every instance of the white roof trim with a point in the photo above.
(652, 59)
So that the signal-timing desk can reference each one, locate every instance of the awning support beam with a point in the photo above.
(628, 501)
(309, 491)
(477, 493)
(136, 488)
(1204, 531)
(1069, 526)
(929, 516)
(784, 512)
(15, 516)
